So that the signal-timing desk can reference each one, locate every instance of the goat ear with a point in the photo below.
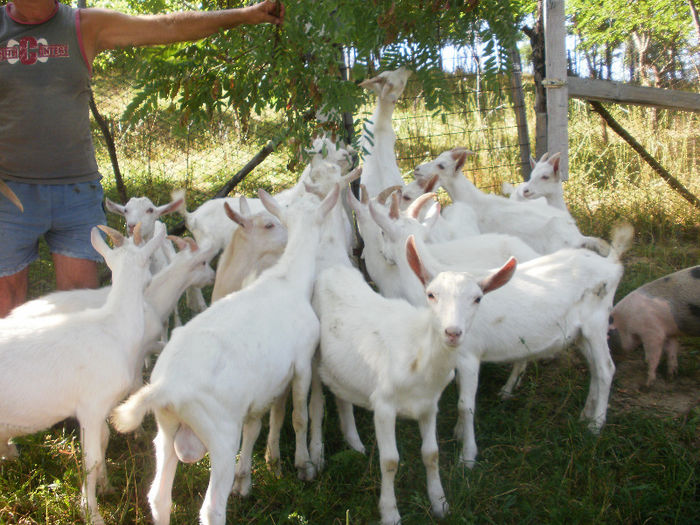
(243, 222)
(554, 161)
(415, 262)
(414, 208)
(7, 192)
(244, 206)
(117, 238)
(385, 193)
(157, 240)
(270, 204)
(432, 220)
(114, 207)
(499, 277)
(364, 195)
(330, 201)
(98, 242)
(460, 157)
(179, 195)
(179, 241)
(352, 176)
(395, 209)
(382, 220)
(533, 162)
(170, 207)
(431, 184)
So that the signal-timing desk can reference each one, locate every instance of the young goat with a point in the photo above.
(380, 169)
(544, 182)
(551, 302)
(140, 210)
(655, 315)
(395, 359)
(256, 244)
(249, 346)
(544, 228)
(78, 365)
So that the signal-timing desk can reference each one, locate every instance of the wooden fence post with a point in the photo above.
(557, 91)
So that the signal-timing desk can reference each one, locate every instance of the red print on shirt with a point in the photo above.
(29, 50)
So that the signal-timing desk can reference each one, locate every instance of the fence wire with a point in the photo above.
(159, 154)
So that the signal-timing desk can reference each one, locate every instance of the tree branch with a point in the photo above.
(674, 183)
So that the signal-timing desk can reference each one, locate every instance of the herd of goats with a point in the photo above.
(486, 279)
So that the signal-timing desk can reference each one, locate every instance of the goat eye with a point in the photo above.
(431, 296)
(545, 177)
(477, 300)
(406, 198)
(269, 226)
(441, 166)
(149, 210)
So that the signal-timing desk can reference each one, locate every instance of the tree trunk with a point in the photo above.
(520, 114)
(536, 36)
(696, 18)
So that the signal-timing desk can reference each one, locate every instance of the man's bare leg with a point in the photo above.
(13, 291)
(72, 273)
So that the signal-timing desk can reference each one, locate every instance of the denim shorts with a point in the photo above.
(63, 214)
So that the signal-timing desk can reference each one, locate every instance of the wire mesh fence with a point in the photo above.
(161, 153)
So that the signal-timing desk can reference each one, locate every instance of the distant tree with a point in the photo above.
(656, 33)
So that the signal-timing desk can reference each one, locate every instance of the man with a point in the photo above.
(46, 152)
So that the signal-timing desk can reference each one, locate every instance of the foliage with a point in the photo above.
(657, 30)
(298, 70)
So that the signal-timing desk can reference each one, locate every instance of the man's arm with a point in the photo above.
(105, 29)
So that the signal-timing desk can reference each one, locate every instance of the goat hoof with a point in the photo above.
(440, 510)
(307, 472)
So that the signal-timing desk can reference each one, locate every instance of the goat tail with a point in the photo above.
(128, 416)
(620, 239)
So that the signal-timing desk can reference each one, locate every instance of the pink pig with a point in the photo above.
(655, 315)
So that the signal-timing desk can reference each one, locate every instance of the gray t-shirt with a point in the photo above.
(45, 135)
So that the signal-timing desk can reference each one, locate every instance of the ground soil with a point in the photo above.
(666, 396)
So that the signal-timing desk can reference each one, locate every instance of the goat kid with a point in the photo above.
(395, 359)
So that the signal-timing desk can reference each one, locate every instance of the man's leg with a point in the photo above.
(72, 273)
(13, 291)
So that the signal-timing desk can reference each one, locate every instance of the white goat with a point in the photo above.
(544, 186)
(210, 224)
(552, 302)
(456, 220)
(380, 169)
(545, 182)
(472, 253)
(256, 244)
(141, 210)
(250, 345)
(189, 267)
(385, 237)
(78, 365)
(544, 228)
(395, 359)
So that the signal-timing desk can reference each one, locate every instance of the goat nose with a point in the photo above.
(453, 334)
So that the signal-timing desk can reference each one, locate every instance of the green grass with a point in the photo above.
(537, 463)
